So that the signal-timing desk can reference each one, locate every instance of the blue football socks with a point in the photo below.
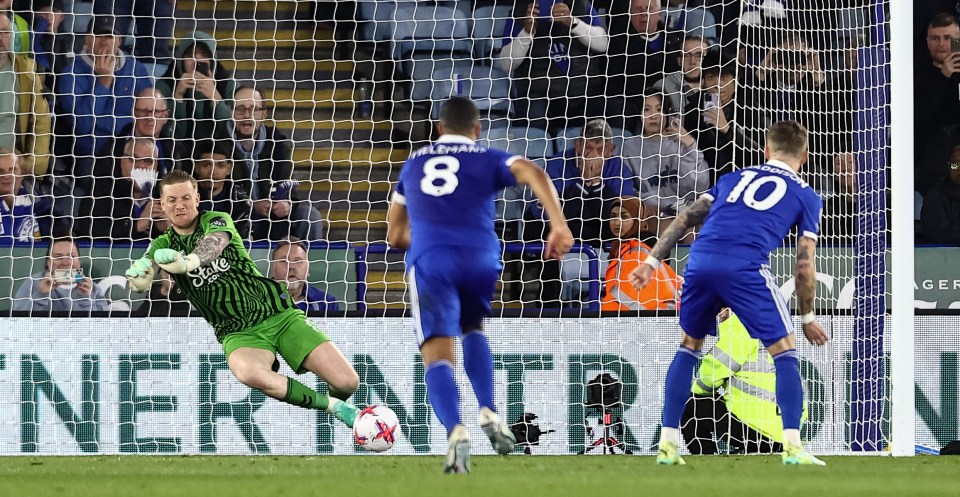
(789, 388)
(478, 362)
(443, 393)
(677, 388)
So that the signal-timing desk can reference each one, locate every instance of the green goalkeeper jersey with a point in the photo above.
(230, 292)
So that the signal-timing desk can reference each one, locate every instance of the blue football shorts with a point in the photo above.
(450, 291)
(711, 282)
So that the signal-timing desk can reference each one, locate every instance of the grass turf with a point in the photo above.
(528, 476)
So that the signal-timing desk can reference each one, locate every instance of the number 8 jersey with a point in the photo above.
(449, 188)
(755, 208)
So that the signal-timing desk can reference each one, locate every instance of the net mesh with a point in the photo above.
(296, 117)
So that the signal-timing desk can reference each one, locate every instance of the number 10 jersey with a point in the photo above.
(754, 209)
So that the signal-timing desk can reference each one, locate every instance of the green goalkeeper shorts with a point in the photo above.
(290, 333)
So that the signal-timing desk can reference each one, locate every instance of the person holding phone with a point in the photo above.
(665, 157)
(199, 90)
(61, 286)
(937, 99)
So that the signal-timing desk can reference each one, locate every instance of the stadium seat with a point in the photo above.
(488, 87)
(564, 141)
(528, 142)
(377, 19)
(488, 25)
(512, 201)
(431, 29)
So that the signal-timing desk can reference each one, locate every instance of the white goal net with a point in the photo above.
(295, 117)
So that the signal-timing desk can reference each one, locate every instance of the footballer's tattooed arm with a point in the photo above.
(688, 218)
(806, 273)
(211, 246)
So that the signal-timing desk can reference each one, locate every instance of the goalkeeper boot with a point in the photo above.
(344, 411)
(669, 454)
(797, 455)
(458, 451)
(499, 434)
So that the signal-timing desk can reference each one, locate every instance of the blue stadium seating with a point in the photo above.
(488, 25)
(489, 87)
(529, 142)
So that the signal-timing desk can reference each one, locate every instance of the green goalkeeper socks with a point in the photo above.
(301, 395)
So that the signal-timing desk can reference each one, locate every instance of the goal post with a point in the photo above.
(903, 352)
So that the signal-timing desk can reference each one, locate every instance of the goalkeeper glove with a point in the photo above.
(140, 275)
(175, 262)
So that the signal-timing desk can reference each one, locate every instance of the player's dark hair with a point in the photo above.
(459, 115)
(787, 138)
(942, 20)
(177, 176)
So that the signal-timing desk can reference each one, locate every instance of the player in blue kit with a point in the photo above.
(443, 212)
(745, 216)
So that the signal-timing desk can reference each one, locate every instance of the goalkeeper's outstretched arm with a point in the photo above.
(206, 250)
(140, 274)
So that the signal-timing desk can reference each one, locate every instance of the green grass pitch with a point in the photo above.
(527, 476)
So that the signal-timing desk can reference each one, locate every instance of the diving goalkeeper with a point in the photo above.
(248, 312)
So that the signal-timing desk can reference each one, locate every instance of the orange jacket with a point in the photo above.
(663, 292)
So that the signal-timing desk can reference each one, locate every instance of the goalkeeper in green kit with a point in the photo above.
(248, 312)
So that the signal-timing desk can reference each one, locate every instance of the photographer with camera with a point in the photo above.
(61, 286)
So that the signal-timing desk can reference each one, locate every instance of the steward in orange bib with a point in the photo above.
(633, 232)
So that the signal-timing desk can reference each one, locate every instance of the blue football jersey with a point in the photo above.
(755, 208)
(449, 188)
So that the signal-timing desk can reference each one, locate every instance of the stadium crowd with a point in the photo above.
(660, 97)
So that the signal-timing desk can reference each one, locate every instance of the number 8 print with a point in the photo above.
(447, 174)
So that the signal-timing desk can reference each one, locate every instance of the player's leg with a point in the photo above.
(436, 315)
(698, 318)
(477, 358)
(761, 307)
(305, 347)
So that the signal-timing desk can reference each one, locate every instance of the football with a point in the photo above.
(375, 427)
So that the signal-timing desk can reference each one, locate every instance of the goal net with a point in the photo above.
(295, 117)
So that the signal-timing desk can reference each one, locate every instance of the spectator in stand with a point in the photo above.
(51, 48)
(19, 28)
(791, 85)
(290, 265)
(154, 21)
(151, 119)
(637, 52)
(17, 220)
(665, 158)
(266, 172)
(683, 86)
(692, 18)
(588, 178)
(936, 101)
(213, 169)
(722, 127)
(95, 97)
(552, 60)
(837, 223)
(61, 286)
(25, 121)
(123, 206)
(633, 240)
(199, 89)
(940, 215)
